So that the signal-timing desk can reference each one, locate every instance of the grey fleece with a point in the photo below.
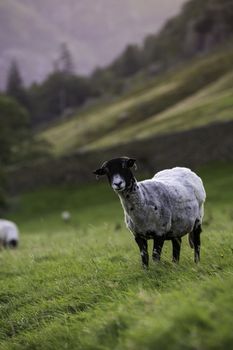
(167, 205)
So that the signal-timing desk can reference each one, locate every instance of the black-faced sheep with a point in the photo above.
(9, 234)
(166, 207)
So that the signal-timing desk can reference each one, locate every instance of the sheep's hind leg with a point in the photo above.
(142, 244)
(157, 248)
(197, 242)
(176, 244)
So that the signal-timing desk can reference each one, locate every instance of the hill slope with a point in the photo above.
(197, 94)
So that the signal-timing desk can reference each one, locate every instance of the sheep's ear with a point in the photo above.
(99, 172)
(131, 162)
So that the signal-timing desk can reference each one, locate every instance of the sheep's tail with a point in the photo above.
(191, 240)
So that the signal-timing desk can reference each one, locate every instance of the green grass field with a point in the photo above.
(80, 285)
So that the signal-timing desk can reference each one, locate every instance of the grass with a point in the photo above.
(213, 103)
(193, 95)
(94, 123)
(80, 285)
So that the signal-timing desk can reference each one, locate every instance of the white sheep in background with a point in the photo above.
(9, 234)
(166, 207)
(66, 216)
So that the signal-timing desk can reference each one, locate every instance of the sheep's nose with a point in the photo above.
(118, 184)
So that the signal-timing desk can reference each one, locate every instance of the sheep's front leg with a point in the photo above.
(142, 244)
(176, 244)
(157, 248)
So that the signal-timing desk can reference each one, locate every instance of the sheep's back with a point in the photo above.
(182, 182)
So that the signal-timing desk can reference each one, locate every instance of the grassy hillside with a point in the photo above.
(80, 285)
(191, 96)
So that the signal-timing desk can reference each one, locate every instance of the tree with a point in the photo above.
(63, 70)
(14, 85)
(129, 62)
(13, 131)
(65, 62)
(14, 128)
(59, 93)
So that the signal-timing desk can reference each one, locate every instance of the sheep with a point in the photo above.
(9, 234)
(66, 216)
(166, 207)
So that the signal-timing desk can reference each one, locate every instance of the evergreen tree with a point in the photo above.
(65, 60)
(63, 71)
(14, 85)
(14, 128)
(128, 63)
(13, 132)
(131, 62)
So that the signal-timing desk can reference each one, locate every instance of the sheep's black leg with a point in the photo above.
(176, 244)
(197, 242)
(157, 248)
(142, 244)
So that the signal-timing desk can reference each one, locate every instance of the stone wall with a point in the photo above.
(189, 148)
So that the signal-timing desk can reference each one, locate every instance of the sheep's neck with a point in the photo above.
(132, 198)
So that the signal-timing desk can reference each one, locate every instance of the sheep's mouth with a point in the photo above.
(118, 189)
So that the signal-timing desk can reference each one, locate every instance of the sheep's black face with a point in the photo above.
(118, 172)
(13, 243)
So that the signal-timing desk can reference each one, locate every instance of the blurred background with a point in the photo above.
(82, 81)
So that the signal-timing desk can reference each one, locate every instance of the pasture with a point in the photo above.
(80, 285)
